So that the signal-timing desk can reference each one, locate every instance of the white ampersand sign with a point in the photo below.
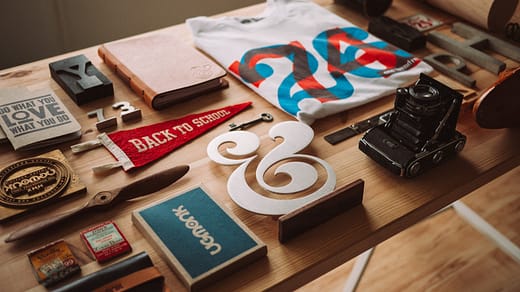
(296, 136)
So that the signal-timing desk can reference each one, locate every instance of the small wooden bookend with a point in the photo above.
(320, 210)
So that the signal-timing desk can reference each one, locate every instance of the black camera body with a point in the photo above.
(420, 132)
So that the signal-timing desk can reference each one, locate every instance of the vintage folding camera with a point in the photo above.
(420, 132)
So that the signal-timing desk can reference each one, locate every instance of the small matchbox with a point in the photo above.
(105, 241)
(199, 239)
(53, 262)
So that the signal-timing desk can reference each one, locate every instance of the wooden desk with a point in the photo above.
(390, 205)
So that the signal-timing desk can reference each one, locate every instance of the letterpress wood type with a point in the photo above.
(128, 112)
(452, 66)
(470, 48)
(81, 80)
(102, 123)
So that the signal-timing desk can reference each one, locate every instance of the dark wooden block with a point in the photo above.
(319, 211)
(397, 33)
(81, 80)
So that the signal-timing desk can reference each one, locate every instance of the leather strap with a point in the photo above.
(132, 280)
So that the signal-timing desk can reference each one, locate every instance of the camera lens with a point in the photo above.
(423, 100)
(424, 92)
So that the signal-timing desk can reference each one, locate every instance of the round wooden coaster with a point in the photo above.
(32, 181)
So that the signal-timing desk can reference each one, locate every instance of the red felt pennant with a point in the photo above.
(139, 146)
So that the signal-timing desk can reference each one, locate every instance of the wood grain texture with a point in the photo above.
(316, 212)
(444, 253)
(488, 14)
(391, 204)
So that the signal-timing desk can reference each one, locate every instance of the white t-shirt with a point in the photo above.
(304, 59)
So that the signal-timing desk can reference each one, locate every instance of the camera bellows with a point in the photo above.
(420, 132)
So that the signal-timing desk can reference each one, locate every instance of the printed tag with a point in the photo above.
(53, 262)
(105, 241)
(422, 22)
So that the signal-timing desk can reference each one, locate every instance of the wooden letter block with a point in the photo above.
(319, 211)
(81, 80)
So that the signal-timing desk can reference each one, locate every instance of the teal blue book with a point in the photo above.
(199, 239)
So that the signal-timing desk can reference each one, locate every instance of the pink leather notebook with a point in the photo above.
(162, 69)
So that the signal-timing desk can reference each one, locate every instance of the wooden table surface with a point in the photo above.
(390, 204)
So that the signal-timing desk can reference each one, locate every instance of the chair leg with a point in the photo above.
(487, 229)
(358, 270)
(468, 215)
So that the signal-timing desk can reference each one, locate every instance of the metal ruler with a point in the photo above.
(358, 128)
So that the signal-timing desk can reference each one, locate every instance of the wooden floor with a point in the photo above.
(444, 253)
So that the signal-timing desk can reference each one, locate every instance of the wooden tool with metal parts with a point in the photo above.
(106, 199)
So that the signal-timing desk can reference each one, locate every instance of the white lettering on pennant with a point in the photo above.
(184, 128)
(206, 119)
(197, 230)
(138, 145)
(147, 142)
(156, 139)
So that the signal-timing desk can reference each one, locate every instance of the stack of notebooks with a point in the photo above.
(162, 69)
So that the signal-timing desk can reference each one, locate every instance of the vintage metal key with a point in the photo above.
(264, 117)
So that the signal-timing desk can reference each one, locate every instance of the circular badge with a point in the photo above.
(32, 181)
